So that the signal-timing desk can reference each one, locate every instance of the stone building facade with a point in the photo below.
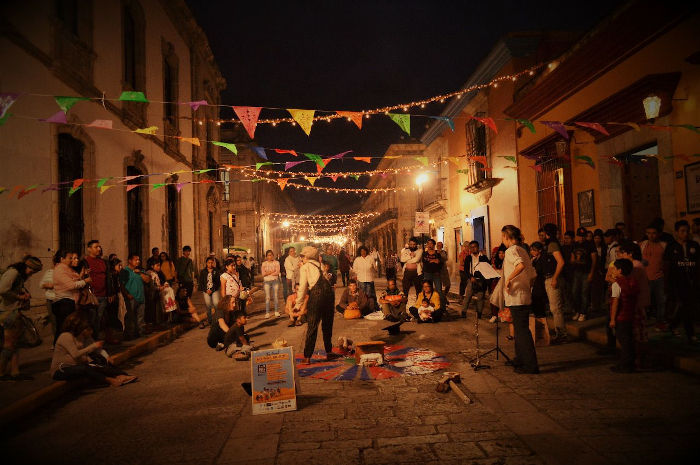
(93, 49)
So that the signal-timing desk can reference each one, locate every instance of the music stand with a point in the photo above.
(496, 349)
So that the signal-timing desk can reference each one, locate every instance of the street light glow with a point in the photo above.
(285, 224)
(421, 179)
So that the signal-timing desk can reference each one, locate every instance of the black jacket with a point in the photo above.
(202, 281)
(467, 267)
(246, 276)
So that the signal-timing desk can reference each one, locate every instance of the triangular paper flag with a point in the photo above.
(261, 152)
(73, 190)
(179, 185)
(249, 118)
(404, 121)
(133, 96)
(511, 159)
(383, 175)
(131, 186)
(292, 164)
(537, 168)
(102, 181)
(527, 123)
(26, 191)
(596, 126)
(325, 163)
(342, 154)
(586, 159)
(659, 128)
(450, 122)
(311, 179)
(6, 101)
(282, 183)
(65, 103)
(104, 188)
(354, 116)
(58, 117)
(423, 160)
(287, 151)
(488, 121)
(262, 163)
(206, 181)
(226, 145)
(334, 177)
(157, 186)
(2, 189)
(101, 124)
(148, 130)
(129, 178)
(197, 104)
(557, 126)
(5, 118)
(15, 189)
(479, 159)
(191, 140)
(77, 183)
(690, 127)
(315, 158)
(634, 126)
(205, 170)
(364, 159)
(355, 176)
(305, 118)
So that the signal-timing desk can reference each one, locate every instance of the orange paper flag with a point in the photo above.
(249, 118)
(191, 140)
(282, 183)
(354, 116)
(365, 159)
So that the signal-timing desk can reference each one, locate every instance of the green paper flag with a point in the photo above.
(527, 123)
(690, 127)
(204, 171)
(133, 96)
(511, 159)
(157, 186)
(262, 163)
(65, 103)
(423, 160)
(226, 145)
(586, 159)
(255, 180)
(356, 176)
(404, 121)
(73, 190)
(316, 159)
(5, 118)
(102, 181)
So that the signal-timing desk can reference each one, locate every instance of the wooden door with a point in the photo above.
(642, 196)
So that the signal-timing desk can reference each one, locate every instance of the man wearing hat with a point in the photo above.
(14, 298)
(319, 306)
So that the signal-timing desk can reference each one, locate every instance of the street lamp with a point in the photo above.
(652, 106)
(285, 224)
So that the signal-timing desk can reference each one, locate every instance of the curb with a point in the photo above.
(57, 389)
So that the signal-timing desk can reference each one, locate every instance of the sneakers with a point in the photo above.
(493, 319)
(219, 347)
(267, 315)
(277, 314)
(582, 317)
(575, 317)
(231, 350)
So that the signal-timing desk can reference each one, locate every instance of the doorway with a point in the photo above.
(70, 206)
(134, 213)
(641, 190)
(479, 226)
(172, 214)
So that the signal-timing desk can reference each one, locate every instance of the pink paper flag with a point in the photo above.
(286, 151)
(249, 118)
(596, 126)
(292, 164)
(131, 186)
(197, 104)
(129, 178)
(557, 126)
(342, 154)
(58, 117)
(334, 177)
(179, 185)
(101, 124)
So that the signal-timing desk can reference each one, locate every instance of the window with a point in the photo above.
(72, 41)
(172, 214)
(554, 188)
(225, 178)
(67, 14)
(170, 97)
(133, 56)
(476, 147)
(70, 218)
(134, 213)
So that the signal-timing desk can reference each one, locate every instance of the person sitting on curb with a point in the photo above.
(186, 312)
(433, 298)
(228, 328)
(393, 302)
(296, 317)
(74, 358)
(353, 293)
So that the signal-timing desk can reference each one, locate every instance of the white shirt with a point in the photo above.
(519, 292)
(412, 257)
(232, 284)
(291, 267)
(364, 269)
(615, 290)
(46, 279)
(309, 273)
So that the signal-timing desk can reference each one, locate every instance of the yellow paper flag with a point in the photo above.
(311, 179)
(104, 188)
(149, 130)
(191, 140)
(305, 118)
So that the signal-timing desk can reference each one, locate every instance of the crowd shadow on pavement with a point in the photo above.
(569, 365)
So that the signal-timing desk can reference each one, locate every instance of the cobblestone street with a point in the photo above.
(188, 408)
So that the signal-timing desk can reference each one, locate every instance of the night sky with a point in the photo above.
(336, 55)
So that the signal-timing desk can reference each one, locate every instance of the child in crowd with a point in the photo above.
(425, 311)
(296, 317)
(624, 293)
(240, 347)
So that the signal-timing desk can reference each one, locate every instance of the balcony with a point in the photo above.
(391, 214)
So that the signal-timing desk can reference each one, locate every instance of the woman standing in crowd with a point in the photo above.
(364, 268)
(463, 253)
(168, 269)
(13, 299)
(71, 359)
(270, 269)
(209, 283)
(230, 283)
(117, 308)
(344, 266)
(433, 298)
(67, 284)
(518, 275)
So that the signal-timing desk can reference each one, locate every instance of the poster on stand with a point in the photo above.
(422, 225)
(272, 380)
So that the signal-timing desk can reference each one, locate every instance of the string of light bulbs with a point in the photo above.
(312, 215)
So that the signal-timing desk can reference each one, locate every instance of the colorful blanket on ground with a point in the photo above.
(398, 361)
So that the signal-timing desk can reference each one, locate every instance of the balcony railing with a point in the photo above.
(391, 214)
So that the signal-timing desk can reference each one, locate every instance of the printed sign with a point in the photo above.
(273, 381)
(422, 225)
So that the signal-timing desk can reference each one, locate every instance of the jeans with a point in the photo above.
(472, 292)
(625, 336)
(463, 280)
(136, 315)
(96, 375)
(211, 301)
(581, 290)
(345, 275)
(554, 297)
(411, 278)
(658, 298)
(271, 287)
(524, 345)
(437, 285)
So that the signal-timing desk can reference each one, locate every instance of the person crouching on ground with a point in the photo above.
(296, 317)
(354, 293)
(186, 311)
(320, 304)
(624, 293)
(393, 302)
(74, 356)
(433, 298)
(228, 331)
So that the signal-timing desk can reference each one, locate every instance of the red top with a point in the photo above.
(98, 273)
(628, 298)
